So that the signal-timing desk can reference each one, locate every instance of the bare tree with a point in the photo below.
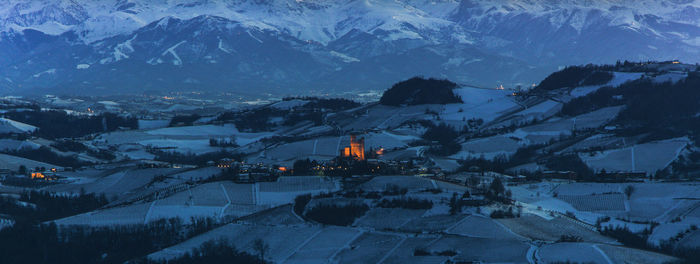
(261, 247)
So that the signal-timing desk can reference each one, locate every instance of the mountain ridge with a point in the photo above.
(370, 40)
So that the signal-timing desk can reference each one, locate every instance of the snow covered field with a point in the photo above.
(600, 202)
(13, 162)
(114, 184)
(15, 145)
(557, 126)
(489, 147)
(432, 223)
(483, 249)
(181, 145)
(485, 104)
(285, 189)
(578, 252)
(542, 133)
(673, 206)
(369, 248)
(647, 157)
(482, 227)
(127, 215)
(658, 202)
(186, 139)
(618, 79)
(282, 240)
(412, 183)
(193, 131)
(321, 247)
(388, 218)
(10, 126)
(539, 228)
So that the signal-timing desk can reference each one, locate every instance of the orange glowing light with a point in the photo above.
(357, 147)
(380, 151)
(283, 169)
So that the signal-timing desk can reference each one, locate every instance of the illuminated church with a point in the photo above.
(356, 149)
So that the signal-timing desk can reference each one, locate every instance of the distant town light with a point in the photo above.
(380, 151)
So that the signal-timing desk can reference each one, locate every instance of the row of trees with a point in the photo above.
(46, 155)
(59, 124)
(334, 214)
(223, 142)
(574, 76)
(48, 206)
(184, 120)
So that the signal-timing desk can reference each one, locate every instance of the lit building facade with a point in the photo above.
(356, 149)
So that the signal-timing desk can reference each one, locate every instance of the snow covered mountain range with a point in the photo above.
(297, 46)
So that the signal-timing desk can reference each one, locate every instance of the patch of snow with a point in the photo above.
(255, 38)
(171, 50)
(122, 49)
(344, 57)
(49, 71)
(222, 48)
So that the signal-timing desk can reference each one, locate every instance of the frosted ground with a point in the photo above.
(618, 79)
(192, 139)
(673, 205)
(648, 157)
(387, 235)
(218, 200)
(485, 104)
(381, 116)
(10, 126)
(542, 133)
(13, 145)
(13, 162)
(472, 236)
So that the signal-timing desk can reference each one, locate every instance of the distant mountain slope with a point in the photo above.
(284, 46)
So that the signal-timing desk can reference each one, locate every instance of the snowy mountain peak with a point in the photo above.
(377, 42)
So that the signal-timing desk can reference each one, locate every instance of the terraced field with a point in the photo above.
(596, 202)
(368, 248)
(433, 223)
(483, 249)
(479, 226)
(388, 218)
(412, 183)
(537, 228)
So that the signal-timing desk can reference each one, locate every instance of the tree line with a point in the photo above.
(54, 124)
